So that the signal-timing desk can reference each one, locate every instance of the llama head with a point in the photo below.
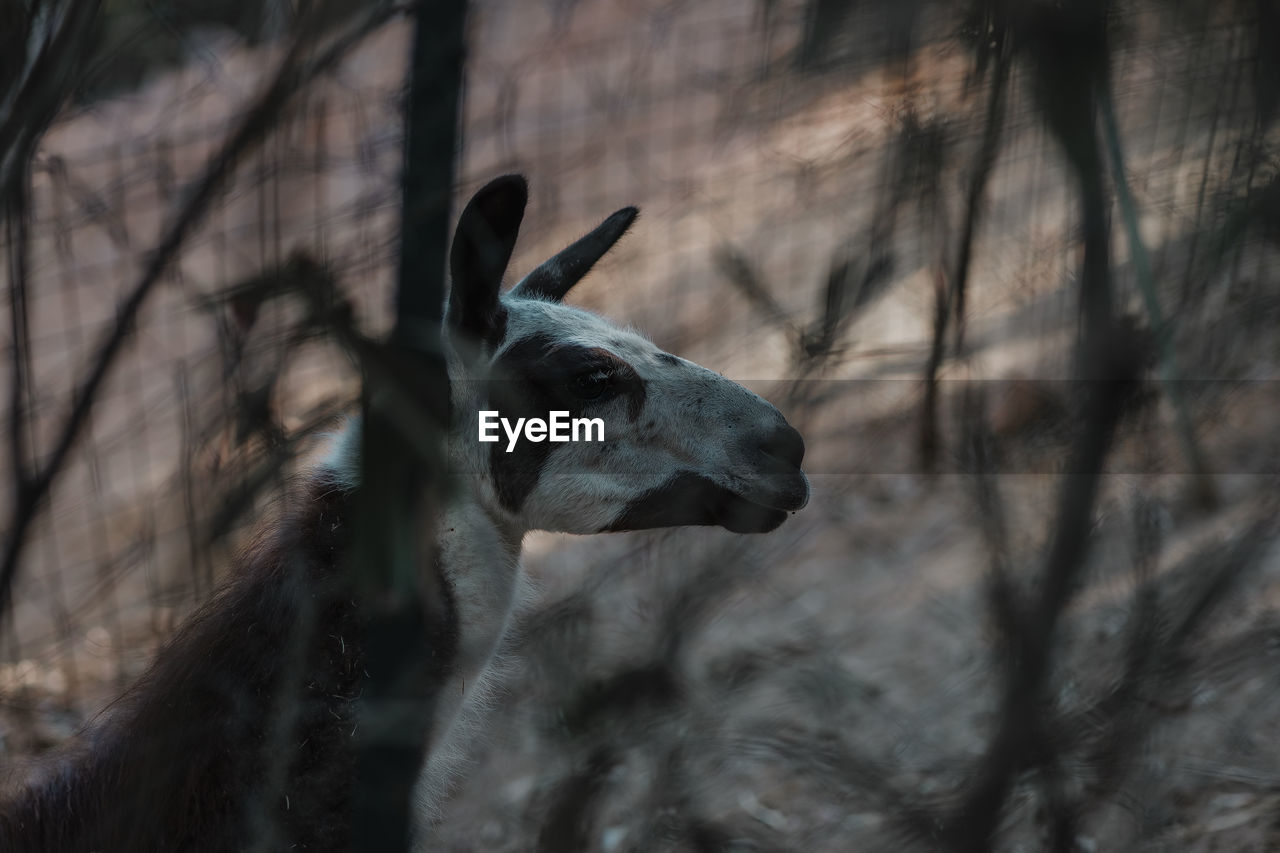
(682, 445)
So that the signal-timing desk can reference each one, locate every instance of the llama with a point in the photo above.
(184, 761)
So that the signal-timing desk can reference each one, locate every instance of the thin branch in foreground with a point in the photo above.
(48, 68)
(735, 267)
(292, 76)
(1020, 737)
(950, 296)
(1069, 61)
(1006, 616)
(1168, 363)
(16, 224)
(575, 800)
(408, 614)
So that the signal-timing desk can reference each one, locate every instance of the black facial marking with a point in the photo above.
(667, 358)
(628, 383)
(691, 499)
(539, 374)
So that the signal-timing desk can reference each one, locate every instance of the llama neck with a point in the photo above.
(479, 553)
(479, 549)
(480, 556)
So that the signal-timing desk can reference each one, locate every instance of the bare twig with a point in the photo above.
(294, 73)
(1110, 361)
(568, 822)
(56, 37)
(1168, 363)
(950, 295)
(740, 273)
(980, 175)
(16, 223)
(1001, 595)
(1020, 738)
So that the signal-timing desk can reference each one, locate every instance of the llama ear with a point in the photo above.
(482, 247)
(553, 279)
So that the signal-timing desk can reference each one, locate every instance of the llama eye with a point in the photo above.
(591, 385)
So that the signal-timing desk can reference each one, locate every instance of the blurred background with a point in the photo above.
(891, 219)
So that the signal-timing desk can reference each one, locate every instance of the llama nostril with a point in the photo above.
(784, 444)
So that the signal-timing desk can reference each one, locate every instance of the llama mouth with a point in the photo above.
(691, 499)
(785, 487)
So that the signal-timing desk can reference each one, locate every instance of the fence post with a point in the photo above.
(410, 631)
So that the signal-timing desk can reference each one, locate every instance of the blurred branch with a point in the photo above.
(984, 162)
(44, 44)
(1020, 737)
(1266, 84)
(239, 499)
(951, 297)
(1001, 593)
(851, 287)
(41, 46)
(823, 22)
(1169, 373)
(1068, 52)
(1067, 49)
(1157, 664)
(568, 824)
(16, 215)
(1214, 120)
(738, 270)
(294, 73)
(411, 627)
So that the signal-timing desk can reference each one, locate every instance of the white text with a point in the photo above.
(558, 427)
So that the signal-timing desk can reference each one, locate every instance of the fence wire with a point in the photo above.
(803, 169)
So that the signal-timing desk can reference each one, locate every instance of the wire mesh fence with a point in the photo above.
(815, 178)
